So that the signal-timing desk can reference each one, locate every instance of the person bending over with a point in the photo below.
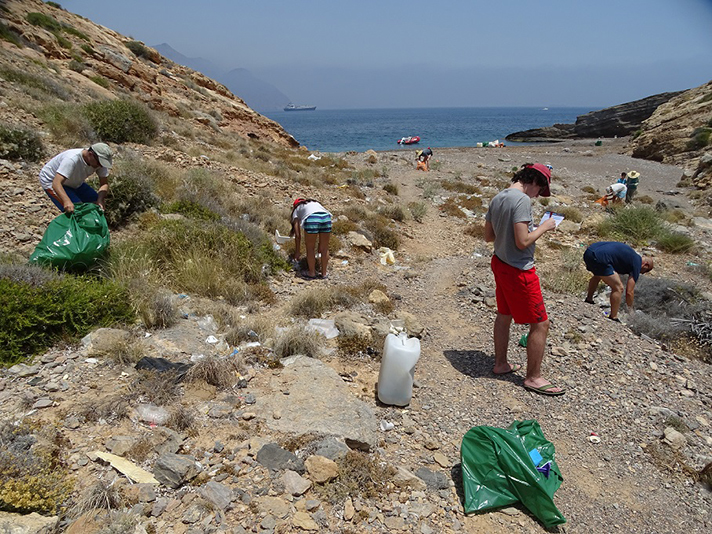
(607, 260)
(316, 221)
(63, 178)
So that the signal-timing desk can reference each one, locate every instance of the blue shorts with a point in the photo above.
(83, 193)
(318, 223)
(596, 267)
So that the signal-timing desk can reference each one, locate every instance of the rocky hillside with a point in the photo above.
(680, 132)
(616, 121)
(96, 62)
(240, 416)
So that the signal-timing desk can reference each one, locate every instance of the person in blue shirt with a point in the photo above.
(607, 260)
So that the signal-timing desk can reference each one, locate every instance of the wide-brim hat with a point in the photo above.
(103, 154)
(546, 171)
(633, 174)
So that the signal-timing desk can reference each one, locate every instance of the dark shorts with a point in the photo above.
(83, 193)
(594, 266)
(518, 293)
(318, 223)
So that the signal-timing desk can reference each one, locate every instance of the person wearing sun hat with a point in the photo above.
(310, 215)
(632, 184)
(63, 178)
(508, 224)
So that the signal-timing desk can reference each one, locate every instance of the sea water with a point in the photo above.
(332, 130)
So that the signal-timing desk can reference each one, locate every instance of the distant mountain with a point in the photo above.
(196, 63)
(258, 94)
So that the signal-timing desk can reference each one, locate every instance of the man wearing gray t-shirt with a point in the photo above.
(508, 224)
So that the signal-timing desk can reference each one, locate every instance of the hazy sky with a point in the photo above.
(387, 53)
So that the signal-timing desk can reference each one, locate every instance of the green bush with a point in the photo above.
(121, 121)
(675, 242)
(34, 82)
(67, 124)
(76, 66)
(6, 34)
(204, 258)
(635, 225)
(700, 138)
(18, 143)
(192, 210)
(73, 31)
(418, 210)
(44, 21)
(101, 81)
(138, 48)
(54, 4)
(33, 317)
(129, 194)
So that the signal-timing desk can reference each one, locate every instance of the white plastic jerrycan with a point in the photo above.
(395, 379)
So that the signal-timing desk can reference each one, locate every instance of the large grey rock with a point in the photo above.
(334, 411)
(218, 494)
(172, 470)
(274, 457)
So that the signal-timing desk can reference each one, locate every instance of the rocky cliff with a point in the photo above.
(620, 120)
(680, 132)
(58, 46)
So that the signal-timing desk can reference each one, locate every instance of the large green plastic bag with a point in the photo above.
(497, 470)
(74, 241)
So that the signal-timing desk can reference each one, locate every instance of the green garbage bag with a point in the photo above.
(498, 469)
(74, 241)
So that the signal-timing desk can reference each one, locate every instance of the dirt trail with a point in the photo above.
(438, 266)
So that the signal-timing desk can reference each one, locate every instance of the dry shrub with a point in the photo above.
(342, 226)
(310, 303)
(253, 328)
(397, 213)
(565, 274)
(141, 449)
(159, 388)
(33, 476)
(355, 346)
(460, 187)
(297, 340)
(219, 372)
(476, 230)
(125, 351)
(571, 213)
(360, 476)
(418, 210)
(109, 409)
(391, 188)
(181, 419)
(101, 495)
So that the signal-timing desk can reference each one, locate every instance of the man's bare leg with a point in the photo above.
(536, 343)
(502, 324)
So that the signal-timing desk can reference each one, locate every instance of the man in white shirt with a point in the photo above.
(64, 177)
(615, 193)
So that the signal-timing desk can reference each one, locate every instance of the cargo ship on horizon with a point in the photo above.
(292, 107)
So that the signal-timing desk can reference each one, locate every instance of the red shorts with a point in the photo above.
(518, 293)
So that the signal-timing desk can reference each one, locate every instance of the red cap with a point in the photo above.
(297, 201)
(546, 171)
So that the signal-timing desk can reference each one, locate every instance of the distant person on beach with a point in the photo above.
(316, 222)
(63, 178)
(631, 185)
(508, 223)
(423, 159)
(607, 260)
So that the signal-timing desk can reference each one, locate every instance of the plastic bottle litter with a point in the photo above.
(151, 414)
(325, 327)
(523, 340)
(395, 378)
